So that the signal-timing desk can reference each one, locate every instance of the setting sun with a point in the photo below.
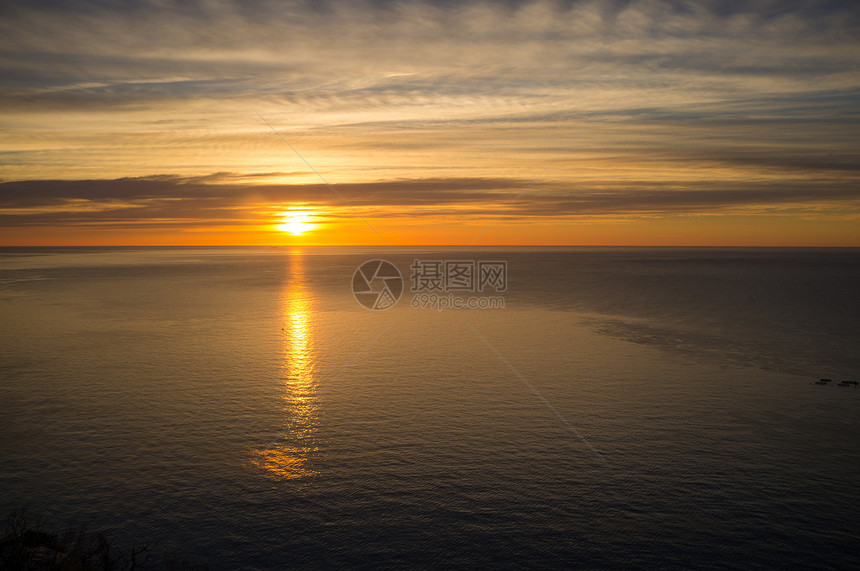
(296, 223)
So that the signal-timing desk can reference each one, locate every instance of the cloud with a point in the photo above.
(104, 52)
(170, 201)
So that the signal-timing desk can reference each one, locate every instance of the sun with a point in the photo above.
(296, 223)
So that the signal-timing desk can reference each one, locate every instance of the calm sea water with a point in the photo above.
(626, 408)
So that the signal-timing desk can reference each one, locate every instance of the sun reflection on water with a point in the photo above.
(289, 456)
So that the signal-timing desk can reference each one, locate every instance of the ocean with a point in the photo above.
(592, 407)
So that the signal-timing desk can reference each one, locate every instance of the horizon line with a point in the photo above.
(388, 246)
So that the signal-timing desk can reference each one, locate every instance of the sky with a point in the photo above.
(601, 122)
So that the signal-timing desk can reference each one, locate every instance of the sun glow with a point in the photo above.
(296, 223)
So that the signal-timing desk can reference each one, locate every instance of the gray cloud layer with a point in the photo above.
(171, 201)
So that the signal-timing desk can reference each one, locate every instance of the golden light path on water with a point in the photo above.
(288, 457)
